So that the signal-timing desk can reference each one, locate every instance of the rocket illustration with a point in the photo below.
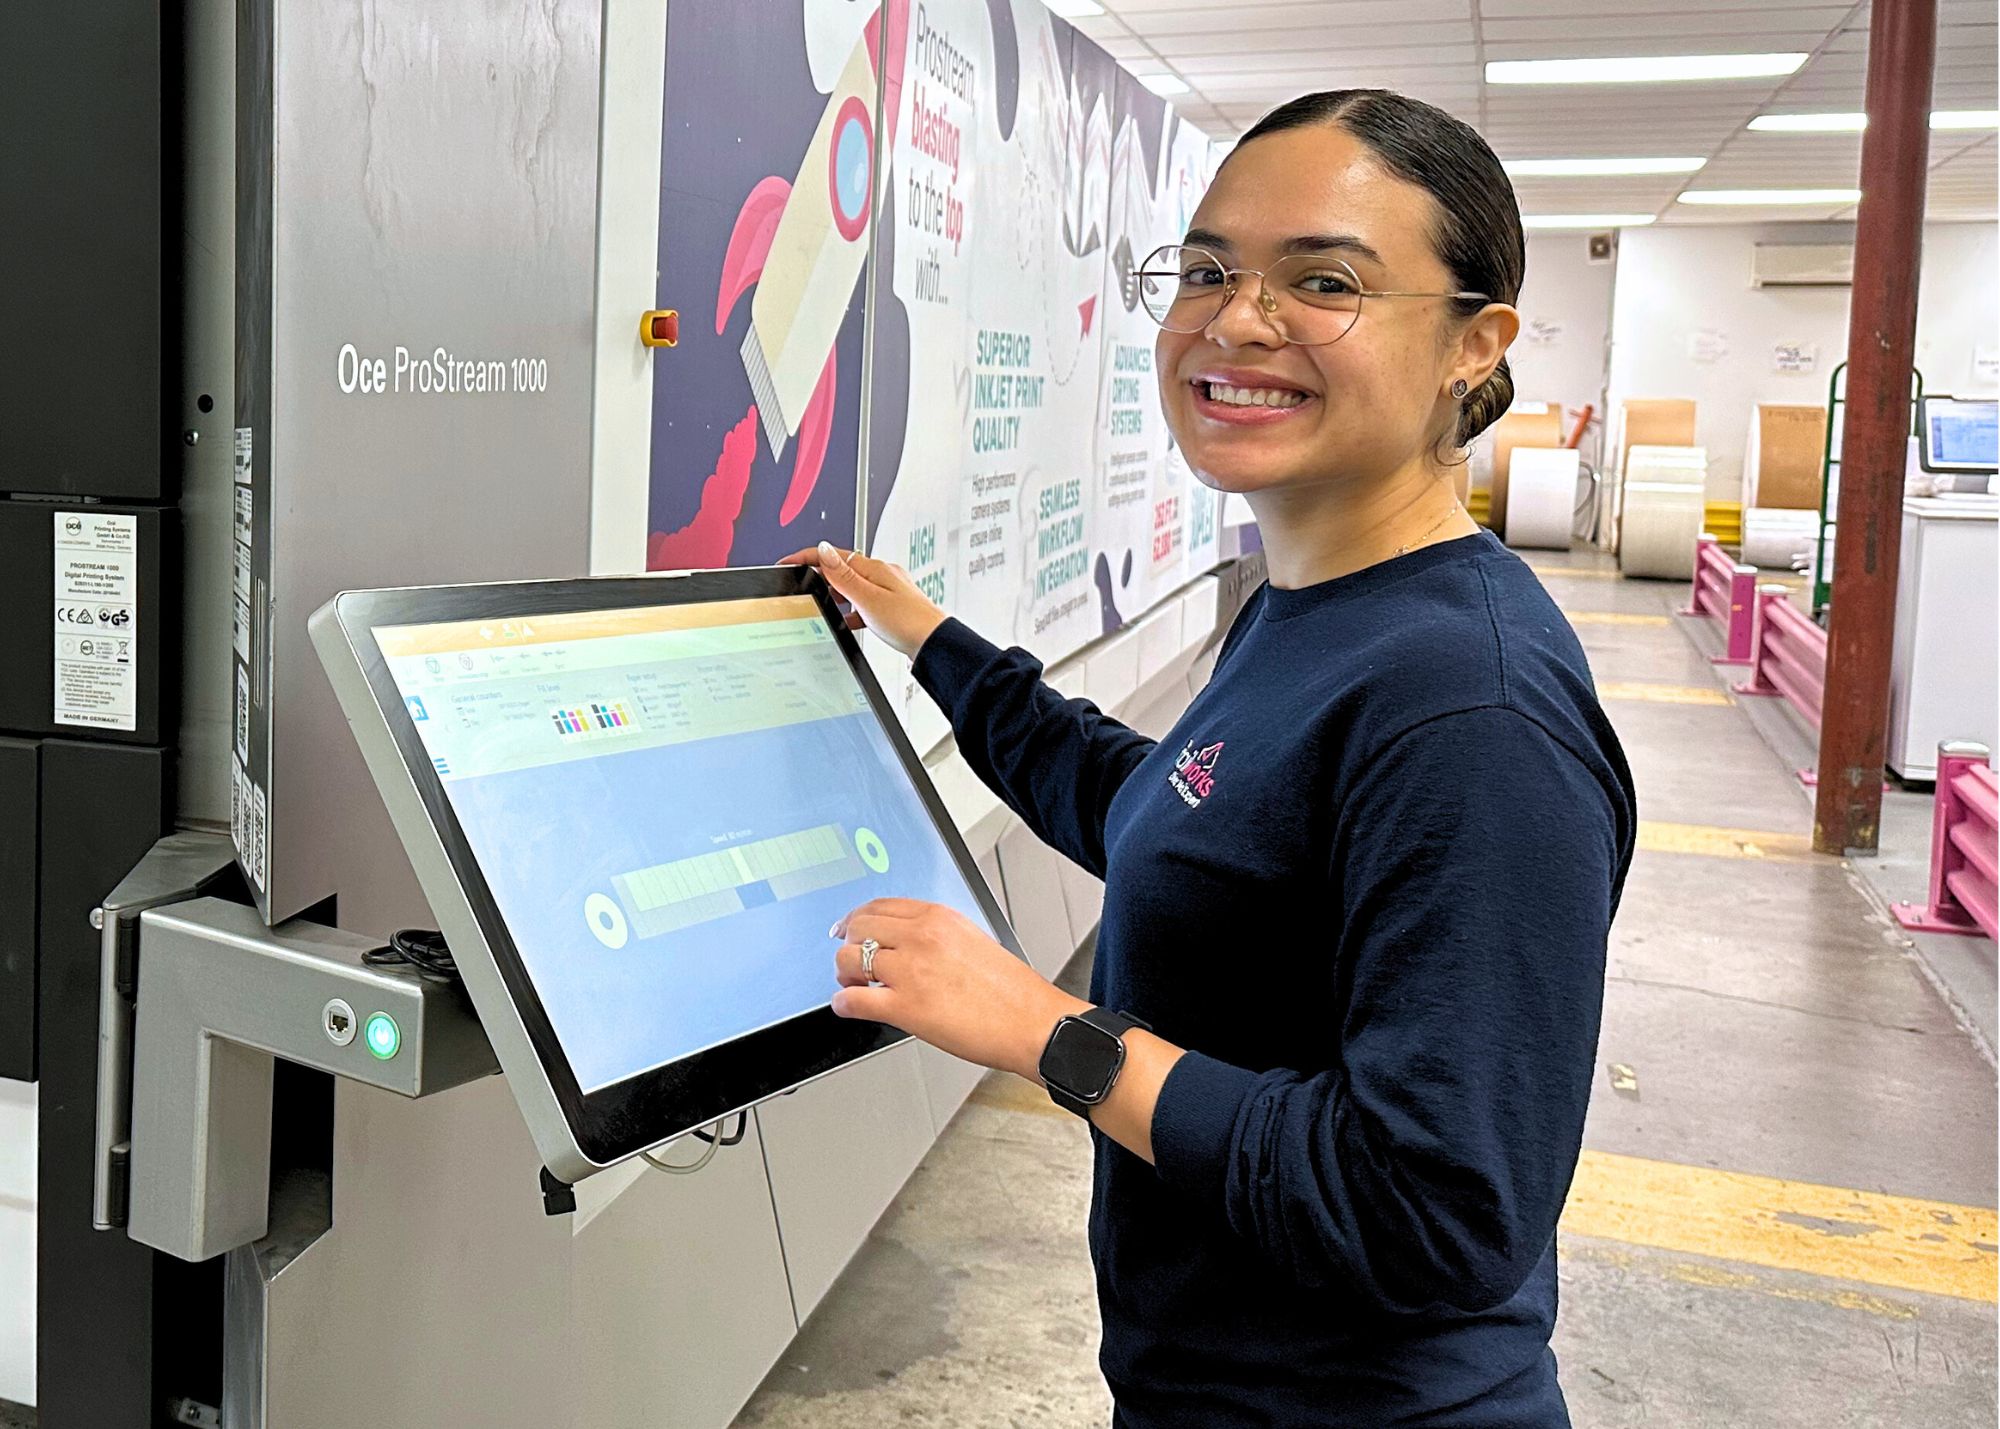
(804, 244)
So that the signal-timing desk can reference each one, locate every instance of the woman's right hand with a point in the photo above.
(877, 594)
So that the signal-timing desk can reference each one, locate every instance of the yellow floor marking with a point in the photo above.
(1703, 839)
(1611, 617)
(1582, 573)
(1709, 1275)
(1897, 1242)
(1649, 692)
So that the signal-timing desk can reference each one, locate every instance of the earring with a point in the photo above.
(1458, 388)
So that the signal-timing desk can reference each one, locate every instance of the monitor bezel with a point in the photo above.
(629, 1116)
(1926, 458)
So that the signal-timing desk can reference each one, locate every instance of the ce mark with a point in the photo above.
(81, 615)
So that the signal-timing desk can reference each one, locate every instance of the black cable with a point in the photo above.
(421, 948)
(742, 1125)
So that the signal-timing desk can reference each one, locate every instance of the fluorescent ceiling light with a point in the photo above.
(1855, 123)
(1075, 9)
(1586, 220)
(1819, 198)
(1585, 168)
(1164, 84)
(1810, 123)
(1642, 69)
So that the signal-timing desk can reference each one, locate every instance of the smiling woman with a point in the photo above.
(1345, 1000)
(1414, 279)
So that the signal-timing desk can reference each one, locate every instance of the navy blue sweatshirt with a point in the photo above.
(1367, 882)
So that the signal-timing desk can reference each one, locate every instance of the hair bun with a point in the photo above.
(1487, 404)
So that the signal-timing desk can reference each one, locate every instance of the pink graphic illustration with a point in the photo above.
(892, 82)
(793, 241)
(749, 245)
(705, 541)
(787, 277)
(814, 428)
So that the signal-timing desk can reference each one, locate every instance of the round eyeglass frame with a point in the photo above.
(1267, 305)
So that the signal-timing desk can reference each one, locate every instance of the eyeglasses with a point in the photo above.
(1309, 298)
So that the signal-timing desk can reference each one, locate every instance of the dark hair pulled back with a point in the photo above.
(1477, 234)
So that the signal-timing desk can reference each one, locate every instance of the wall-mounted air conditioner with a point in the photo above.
(1802, 265)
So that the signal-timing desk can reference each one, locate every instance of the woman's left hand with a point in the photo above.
(942, 978)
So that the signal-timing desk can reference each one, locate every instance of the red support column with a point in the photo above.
(1881, 338)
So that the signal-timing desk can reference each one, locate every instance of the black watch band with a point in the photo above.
(1083, 1057)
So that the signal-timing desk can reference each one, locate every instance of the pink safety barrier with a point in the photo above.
(1726, 591)
(1965, 847)
(1787, 654)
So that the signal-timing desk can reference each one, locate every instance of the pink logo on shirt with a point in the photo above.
(1193, 774)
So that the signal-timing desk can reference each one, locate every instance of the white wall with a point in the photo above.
(1565, 326)
(1958, 313)
(1677, 284)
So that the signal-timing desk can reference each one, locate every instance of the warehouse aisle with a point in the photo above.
(1784, 1214)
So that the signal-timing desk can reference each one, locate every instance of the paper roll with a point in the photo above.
(1528, 425)
(1653, 421)
(1775, 538)
(1541, 497)
(1666, 496)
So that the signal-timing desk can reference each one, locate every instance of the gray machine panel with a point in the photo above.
(505, 1031)
(418, 194)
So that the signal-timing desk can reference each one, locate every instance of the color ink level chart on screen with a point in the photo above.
(671, 805)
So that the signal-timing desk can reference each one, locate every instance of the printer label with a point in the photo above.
(96, 639)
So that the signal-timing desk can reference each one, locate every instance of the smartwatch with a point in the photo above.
(1084, 1055)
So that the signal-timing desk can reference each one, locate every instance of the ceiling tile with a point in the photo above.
(1305, 61)
(1641, 12)
(1423, 38)
(1243, 59)
(1173, 17)
(1802, 29)
(1629, 42)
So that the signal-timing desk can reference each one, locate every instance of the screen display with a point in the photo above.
(1964, 434)
(671, 805)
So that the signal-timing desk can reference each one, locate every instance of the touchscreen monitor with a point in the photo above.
(652, 814)
(1960, 435)
(671, 806)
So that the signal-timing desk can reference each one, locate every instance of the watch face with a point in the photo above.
(1082, 1060)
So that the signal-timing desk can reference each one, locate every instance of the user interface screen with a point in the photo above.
(671, 806)
(1964, 433)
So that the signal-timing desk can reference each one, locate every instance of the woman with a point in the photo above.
(1356, 903)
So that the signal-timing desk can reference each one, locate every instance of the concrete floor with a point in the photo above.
(1961, 968)
(1785, 1213)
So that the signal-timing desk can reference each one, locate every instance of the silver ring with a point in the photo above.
(869, 948)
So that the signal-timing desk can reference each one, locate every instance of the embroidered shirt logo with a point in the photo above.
(1193, 774)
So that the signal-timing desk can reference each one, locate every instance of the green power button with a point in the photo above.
(383, 1036)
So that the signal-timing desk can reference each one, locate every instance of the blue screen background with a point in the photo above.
(1967, 437)
(548, 837)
